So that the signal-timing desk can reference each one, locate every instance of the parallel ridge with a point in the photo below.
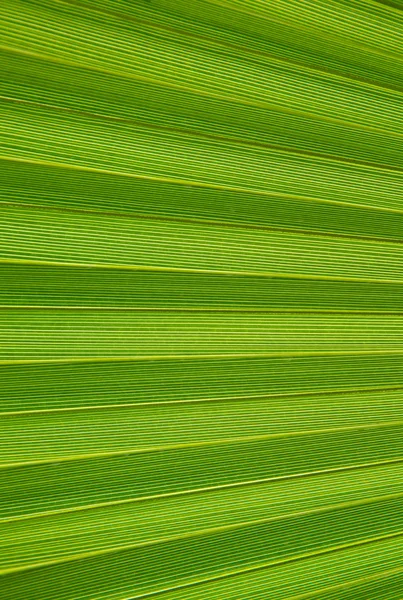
(201, 318)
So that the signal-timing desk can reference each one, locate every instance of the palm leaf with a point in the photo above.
(201, 337)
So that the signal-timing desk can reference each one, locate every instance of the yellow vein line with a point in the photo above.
(206, 93)
(196, 184)
(298, 65)
(348, 584)
(201, 310)
(160, 269)
(227, 139)
(191, 357)
(217, 400)
(204, 444)
(203, 490)
(218, 529)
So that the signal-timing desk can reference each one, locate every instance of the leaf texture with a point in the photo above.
(201, 322)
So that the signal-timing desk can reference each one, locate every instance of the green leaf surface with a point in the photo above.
(201, 300)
